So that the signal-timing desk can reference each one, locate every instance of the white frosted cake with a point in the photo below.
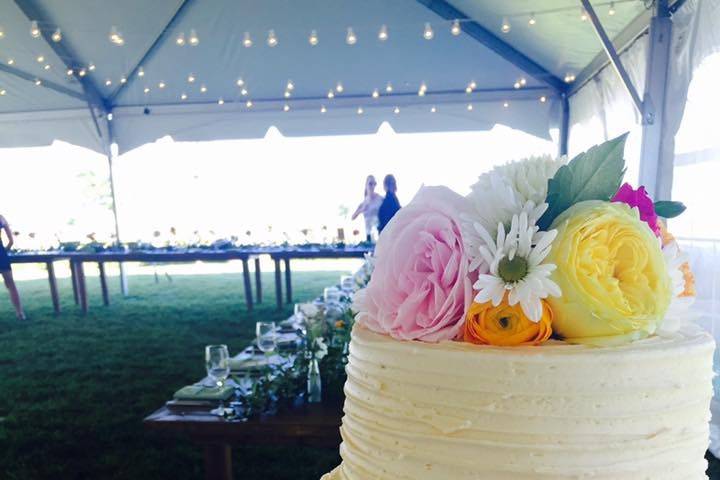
(455, 410)
(535, 329)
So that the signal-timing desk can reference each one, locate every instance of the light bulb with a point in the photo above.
(469, 107)
(34, 29)
(428, 33)
(146, 90)
(583, 15)
(123, 80)
(3, 92)
(70, 72)
(313, 38)
(331, 94)
(516, 85)
(183, 96)
(360, 111)
(532, 20)
(468, 89)
(2, 33)
(339, 87)
(611, 11)
(180, 40)
(247, 41)
(203, 89)
(56, 36)
(473, 84)
(290, 85)
(249, 104)
(38, 82)
(375, 93)
(272, 39)
(110, 117)
(193, 39)
(191, 78)
(433, 109)
(161, 85)
(243, 92)
(221, 101)
(569, 78)
(286, 108)
(240, 82)
(82, 72)
(91, 67)
(455, 29)
(422, 89)
(40, 59)
(506, 104)
(350, 38)
(141, 72)
(389, 87)
(11, 61)
(543, 99)
(383, 33)
(47, 66)
(523, 81)
(108, 82)
(396, 110)
(287, 94)
(115, 37)
(505, 28)
(323, 109)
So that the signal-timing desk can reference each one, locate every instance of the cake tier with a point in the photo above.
(459, 411)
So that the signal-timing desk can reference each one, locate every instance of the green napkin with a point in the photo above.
(251, 363)
(199, 392)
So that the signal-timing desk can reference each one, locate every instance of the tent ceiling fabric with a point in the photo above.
(162, 101)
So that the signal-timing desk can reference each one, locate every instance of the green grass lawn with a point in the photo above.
(74, 389)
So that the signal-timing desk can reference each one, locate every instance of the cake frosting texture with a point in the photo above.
(459, 411)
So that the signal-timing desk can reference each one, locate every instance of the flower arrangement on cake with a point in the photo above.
(541, 248)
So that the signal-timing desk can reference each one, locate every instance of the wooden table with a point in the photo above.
(316, 425)
(47, 258)
(286, 255)
(78, 259)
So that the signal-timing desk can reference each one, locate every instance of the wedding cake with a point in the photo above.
(532, 330)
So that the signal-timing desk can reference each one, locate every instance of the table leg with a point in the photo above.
(103, 284)
(53, 287)
(258, 281)
(288, 282)
(248, 286)
(82, 287)
(74, 281)
(278, 284)
(218, 462)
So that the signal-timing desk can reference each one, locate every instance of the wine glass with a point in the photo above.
(347, 283)
(217, 364)
(266, 336)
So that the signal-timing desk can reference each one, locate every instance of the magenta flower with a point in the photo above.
(640, 199)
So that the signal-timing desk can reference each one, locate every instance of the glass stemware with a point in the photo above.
(217, 364)
(266, 336)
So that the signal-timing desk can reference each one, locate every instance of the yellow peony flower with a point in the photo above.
(612, 273)
(505, 325)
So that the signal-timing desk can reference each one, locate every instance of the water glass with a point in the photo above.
(347, 283)
(217, 363)
(331, 295)
(266, 336)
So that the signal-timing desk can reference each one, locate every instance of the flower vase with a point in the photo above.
(314, 384)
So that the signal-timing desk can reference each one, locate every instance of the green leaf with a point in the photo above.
(669, 209)
(592, 175)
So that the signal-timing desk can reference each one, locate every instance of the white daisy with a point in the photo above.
(515, 266)
(678, 312)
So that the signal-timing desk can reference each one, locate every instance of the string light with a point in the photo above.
(221, 101)
(249, 104)
(110, 117)
(505, 28)
(383, 33)
(516, 85)
(532, 20)
(396, 110)
(123, 80)
(203, 89)
(339, 87)
(183, 96)
(161, 85)
(422, 89)
(473, 84)
(180, 40)
(56, 36)
(331, 94)
(38, 82)
(543, 99)
(247, 41)
(360, 111)
(468, 89)
(323, 109)
(290, 86)
(611, 11)
(506, 104)
(350, 38)
(375, 93)
(470, 107)
(428, 33)
(287, 94)
(115, 37)
(569, 78)
(91, 67)
(243, 92)
(146, 90)
(11, 61)
(433, 109)
(34, 29)
(272, 40)
(2, 33)
(240, 82)
(313, 38)
(82, 72)
(70, 72)
(191, 78)
(47, 66)
(389, 87)
(286, 108)
(3, 92)
(40, 59)
(455, 29)
(523, 81)
(583, 15)
(141, 72)
(193, 39)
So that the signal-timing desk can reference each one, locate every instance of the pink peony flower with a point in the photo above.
(640, 199)
(420, 288)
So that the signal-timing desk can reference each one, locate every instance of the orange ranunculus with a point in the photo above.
(506, 325)
(688, 276)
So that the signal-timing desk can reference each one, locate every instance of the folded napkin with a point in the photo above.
(200, 392)
(249, 362)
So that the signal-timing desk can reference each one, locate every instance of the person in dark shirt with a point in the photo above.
(390, 205)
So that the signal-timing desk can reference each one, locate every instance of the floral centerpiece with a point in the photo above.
(541, 248)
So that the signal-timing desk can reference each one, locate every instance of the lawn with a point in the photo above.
(75, 389)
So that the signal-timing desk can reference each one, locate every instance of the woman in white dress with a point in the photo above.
(369, 207)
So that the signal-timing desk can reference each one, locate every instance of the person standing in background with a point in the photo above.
(369, 207)
(6, 270)
(391, 204)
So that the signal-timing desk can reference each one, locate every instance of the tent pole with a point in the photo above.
(657, 151)
(111, 153)
(564, 126)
